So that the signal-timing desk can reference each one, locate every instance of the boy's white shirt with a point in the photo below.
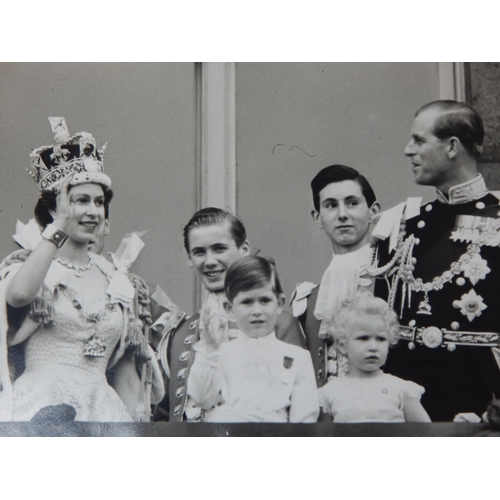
(248, 378)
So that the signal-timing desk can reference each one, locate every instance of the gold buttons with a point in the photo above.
(185, 355)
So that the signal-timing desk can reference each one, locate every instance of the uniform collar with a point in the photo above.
(464, 193)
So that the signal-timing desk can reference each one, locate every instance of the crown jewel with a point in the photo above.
(77, 156)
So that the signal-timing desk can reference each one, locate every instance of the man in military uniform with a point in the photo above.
(446, 288)
(345, 208)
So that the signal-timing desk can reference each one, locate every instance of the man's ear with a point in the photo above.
(317, 219)
(189, 261)
(245, 248)
(281, 302)
(375, 210)
(106, 227)
(453, 147)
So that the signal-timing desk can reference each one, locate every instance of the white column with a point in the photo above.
(452, 81)
(217, 141)
(218, 135)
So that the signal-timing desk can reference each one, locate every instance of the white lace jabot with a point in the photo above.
(339, 282)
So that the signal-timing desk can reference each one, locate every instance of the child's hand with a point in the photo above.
(214, 326)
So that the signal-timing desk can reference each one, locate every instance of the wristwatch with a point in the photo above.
(53, 234)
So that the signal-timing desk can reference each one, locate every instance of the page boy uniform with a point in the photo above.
(342, 278)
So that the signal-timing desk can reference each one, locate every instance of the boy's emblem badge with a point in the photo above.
(287, 362)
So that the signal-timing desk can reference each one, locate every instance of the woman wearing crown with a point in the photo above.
(76, 314)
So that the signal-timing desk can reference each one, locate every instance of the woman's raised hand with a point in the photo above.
(64, 211)
(25, 285)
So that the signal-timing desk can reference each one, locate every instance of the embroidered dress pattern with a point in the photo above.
(59, 372)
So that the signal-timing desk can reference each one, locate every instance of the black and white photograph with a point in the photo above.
(250, 248)
(272, 222)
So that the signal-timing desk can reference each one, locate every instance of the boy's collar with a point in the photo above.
(245, 336)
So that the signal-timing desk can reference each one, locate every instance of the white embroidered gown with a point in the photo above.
(57, 370)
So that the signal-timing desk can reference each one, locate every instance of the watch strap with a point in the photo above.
(55, 235)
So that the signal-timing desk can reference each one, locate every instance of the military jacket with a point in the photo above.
(446, 291)
(317, 346)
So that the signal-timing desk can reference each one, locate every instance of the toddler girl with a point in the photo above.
(255, 377)
(363, 331)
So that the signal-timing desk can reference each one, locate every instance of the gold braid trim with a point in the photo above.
(138, 338)
(138, 326)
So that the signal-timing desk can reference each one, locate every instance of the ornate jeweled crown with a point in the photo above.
(77, 156)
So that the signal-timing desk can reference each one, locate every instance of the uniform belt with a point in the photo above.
(433, 337)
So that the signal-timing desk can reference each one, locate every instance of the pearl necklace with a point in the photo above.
(78, 269)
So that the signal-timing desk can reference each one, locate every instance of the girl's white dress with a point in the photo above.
(371, 399)
(254, 380)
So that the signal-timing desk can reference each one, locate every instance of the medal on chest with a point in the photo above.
(470, 266)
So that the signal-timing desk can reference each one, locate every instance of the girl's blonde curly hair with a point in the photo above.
(364, 303)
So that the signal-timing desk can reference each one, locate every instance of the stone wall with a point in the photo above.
(483, 89)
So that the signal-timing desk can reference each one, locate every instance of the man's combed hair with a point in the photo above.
(339, 173)
(364, 303)
(250, 272)
(457, 119)
(211, 216)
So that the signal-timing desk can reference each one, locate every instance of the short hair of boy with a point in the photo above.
(364, 303)
(211, 216)
(339, 173)
(250, 272)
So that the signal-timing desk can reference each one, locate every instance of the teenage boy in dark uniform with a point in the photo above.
(345, 208)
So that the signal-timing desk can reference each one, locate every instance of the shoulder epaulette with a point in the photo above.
(298, 300)
(389, 223)
(413, 204)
